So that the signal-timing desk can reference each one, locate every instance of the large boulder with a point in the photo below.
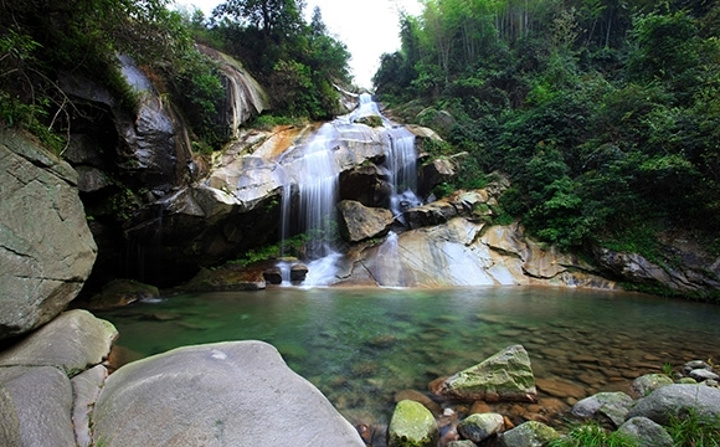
(677, 401)
(234, 393)
(46, 248)
(506, 376)
(71, 343)
(359, 222)
(412, 425)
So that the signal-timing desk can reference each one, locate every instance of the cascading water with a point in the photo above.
(317, 179)
(402, 163)
(317, 195)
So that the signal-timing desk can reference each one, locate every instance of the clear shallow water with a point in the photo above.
(360, 347)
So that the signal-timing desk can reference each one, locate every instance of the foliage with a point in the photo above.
(290, 247)
(604, 114)
(695, 430)
(592, 435)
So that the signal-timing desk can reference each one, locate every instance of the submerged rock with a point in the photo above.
(506, 376)
(233, 393)
(412, 425)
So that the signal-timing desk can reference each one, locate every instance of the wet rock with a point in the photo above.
(461, 443)
(678, 399)
(71, 342)
(412, 425)
(434, 213)
(273, 275)
(604, 408)
(481, 426)
(646, 432)
(648, 383)
(121, 292)
(46, 248)
(561, 388)
(298, 272)
(244, 389)
(529, 434)
(358, 222)
(506, 376)
(367, 184)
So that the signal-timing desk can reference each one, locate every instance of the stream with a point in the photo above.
(361, 346)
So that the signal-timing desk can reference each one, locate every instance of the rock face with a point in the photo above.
(506, 376)
(412, 425)
(462, 252)
(678, 399)
(46, 248)
(358, 222)
(237, 393)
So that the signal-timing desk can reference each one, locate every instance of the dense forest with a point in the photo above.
(605, 114)
(298, 62)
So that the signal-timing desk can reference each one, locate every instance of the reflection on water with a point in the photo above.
(359, 347)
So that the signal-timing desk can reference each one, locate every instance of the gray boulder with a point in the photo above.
(529, 434)
(71, 342)
(646, 432)
(506, 376)
(36, 405)
(678, 400)
(609, 407)
(480, 426)
(412, 425)
(46, 248)
(234, 393)
(648, 383)
(358, 222)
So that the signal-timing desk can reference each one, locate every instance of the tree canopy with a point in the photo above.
(603, 113)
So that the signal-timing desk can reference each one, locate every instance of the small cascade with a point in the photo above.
(389, 250)
(402, 163)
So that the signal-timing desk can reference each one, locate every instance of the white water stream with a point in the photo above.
(317, 186)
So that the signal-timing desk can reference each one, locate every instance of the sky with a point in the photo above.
(368, 28)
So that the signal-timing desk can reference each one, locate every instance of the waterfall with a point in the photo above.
(315, 173)
(401, 161)
(317, 188)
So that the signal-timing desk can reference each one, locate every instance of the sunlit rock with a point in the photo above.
(358, 222)
(412, 425)
(506, 376)
(217, 394)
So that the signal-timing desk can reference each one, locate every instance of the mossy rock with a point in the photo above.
(412, 425)
(121, 292)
